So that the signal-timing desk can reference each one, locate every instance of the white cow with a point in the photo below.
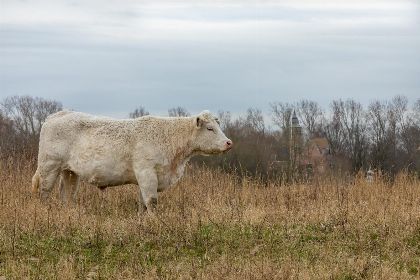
(149, 151)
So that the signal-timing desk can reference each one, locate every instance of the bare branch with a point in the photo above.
(138, 112)
(178, 112)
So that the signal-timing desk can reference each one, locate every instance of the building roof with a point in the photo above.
(295, 120)
(321, 142)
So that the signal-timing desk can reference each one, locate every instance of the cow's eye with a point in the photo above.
(210, 129)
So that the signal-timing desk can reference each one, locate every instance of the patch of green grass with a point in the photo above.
(413, 241)
(310, 244)
(347, 276)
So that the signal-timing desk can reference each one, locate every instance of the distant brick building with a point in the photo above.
(317, 155)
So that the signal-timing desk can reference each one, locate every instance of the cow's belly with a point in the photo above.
(101, 179)
(104, 172)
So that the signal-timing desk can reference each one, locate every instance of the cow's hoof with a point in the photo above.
(44, 196)
(151, 206)
(141, 210)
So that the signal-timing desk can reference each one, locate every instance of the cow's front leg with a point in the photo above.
(148, 183)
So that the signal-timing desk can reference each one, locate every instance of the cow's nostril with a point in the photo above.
(229, 143)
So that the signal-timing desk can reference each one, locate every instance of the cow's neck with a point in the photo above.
(179, 159)
(181, 149)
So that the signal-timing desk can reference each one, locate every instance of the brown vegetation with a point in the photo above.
(214, 226)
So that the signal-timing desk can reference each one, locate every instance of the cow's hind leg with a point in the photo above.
(69, 182)
(35, 182)
(48, 175)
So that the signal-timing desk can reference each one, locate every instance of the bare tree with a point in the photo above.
(7, 136)
(255, 120)
(225, 119)
(410, 139)
(310, 114)
(178, 112)
(21, 109)
(334, 133)
(44, 108)
(349, 118)
(281, 114)
(29, 113)
(403, 132)
(20, 124)
(378, 129)
(397, 119)
(139, 112)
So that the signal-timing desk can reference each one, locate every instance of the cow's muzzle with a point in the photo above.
(228, 145)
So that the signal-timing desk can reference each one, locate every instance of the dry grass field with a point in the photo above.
(214, 226)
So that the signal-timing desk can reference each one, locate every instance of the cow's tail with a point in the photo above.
(35, 183)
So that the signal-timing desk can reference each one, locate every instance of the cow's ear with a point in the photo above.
(198, 122)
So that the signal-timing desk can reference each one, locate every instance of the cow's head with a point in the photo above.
(210, 139)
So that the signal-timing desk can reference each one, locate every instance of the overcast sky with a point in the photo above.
(108, 57)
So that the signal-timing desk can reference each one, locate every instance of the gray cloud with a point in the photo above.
(110, 60)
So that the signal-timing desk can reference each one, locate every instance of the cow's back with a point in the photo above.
(66, 132)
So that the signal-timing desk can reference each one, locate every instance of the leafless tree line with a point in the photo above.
(21, 118)
(383, 135)
(172, 112)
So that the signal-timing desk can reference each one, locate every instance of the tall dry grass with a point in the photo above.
(214, 226)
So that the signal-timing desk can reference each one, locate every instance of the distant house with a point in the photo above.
(317, 155)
